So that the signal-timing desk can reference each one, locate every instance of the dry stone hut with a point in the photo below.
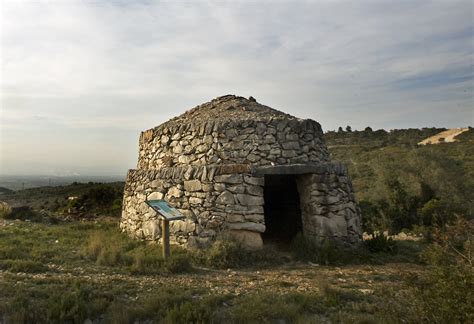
(240, 169)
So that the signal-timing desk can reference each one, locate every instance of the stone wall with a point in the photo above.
(257, 142)
(328, 206)
(213, 199)
(230, 198)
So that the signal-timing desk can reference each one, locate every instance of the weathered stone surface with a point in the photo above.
(192, 185)
(229, 178)
(255, 190)
(151, 229)
(236, 189)
(256, 218)
(248, 226)
(225, 198)
(174, 192)
(256, 181)
(248, 200)
(235, 218)
(249, 239)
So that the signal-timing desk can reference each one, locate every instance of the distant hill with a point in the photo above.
(89, 197)
(4, 190)
(447, 136)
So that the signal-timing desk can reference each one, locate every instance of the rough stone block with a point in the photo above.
(249, 239)
(248, 226)
(151, 229)
(225, 198)
(229, 178)
(192, 185)
(249, 200)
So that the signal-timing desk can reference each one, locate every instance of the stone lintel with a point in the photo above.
(299, 169)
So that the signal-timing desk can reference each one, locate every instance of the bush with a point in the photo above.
(380, 243)
(227, 253)
(24, 213)
(223, 254)
(445, 292)
(178, 263)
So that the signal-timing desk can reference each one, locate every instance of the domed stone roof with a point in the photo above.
(229, 108)
(232, 129)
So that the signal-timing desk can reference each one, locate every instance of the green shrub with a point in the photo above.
(24, 213)
(227, 253)
(444, 293)
(178, 263)
(223, 254)
(380, 243)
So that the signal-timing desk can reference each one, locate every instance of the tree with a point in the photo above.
(348, 129)
(340, 130)
(368, 129)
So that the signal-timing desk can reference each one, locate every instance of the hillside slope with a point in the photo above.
(401, 184)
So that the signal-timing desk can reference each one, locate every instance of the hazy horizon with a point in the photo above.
(81, 80)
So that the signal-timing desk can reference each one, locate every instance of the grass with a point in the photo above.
(378, 250)
(70, 272)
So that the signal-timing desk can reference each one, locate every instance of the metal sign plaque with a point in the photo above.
(165, 210)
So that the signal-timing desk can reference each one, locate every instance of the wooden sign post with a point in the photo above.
(165, 234)
(167, 214)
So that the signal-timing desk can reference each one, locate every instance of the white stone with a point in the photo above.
(155, 196)
(174, 192)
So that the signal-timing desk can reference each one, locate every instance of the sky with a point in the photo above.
(81, 79)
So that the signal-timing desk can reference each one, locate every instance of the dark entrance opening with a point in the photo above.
(282, 209)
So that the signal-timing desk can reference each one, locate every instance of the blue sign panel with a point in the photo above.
(165, 210)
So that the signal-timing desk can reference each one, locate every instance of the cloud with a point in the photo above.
(122, 67)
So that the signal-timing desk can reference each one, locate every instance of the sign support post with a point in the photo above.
(165, 234)
(166, 214)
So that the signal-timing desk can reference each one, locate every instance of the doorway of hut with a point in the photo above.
(282, 210)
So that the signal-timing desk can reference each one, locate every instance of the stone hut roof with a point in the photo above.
(232, 129)
(228, 108)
